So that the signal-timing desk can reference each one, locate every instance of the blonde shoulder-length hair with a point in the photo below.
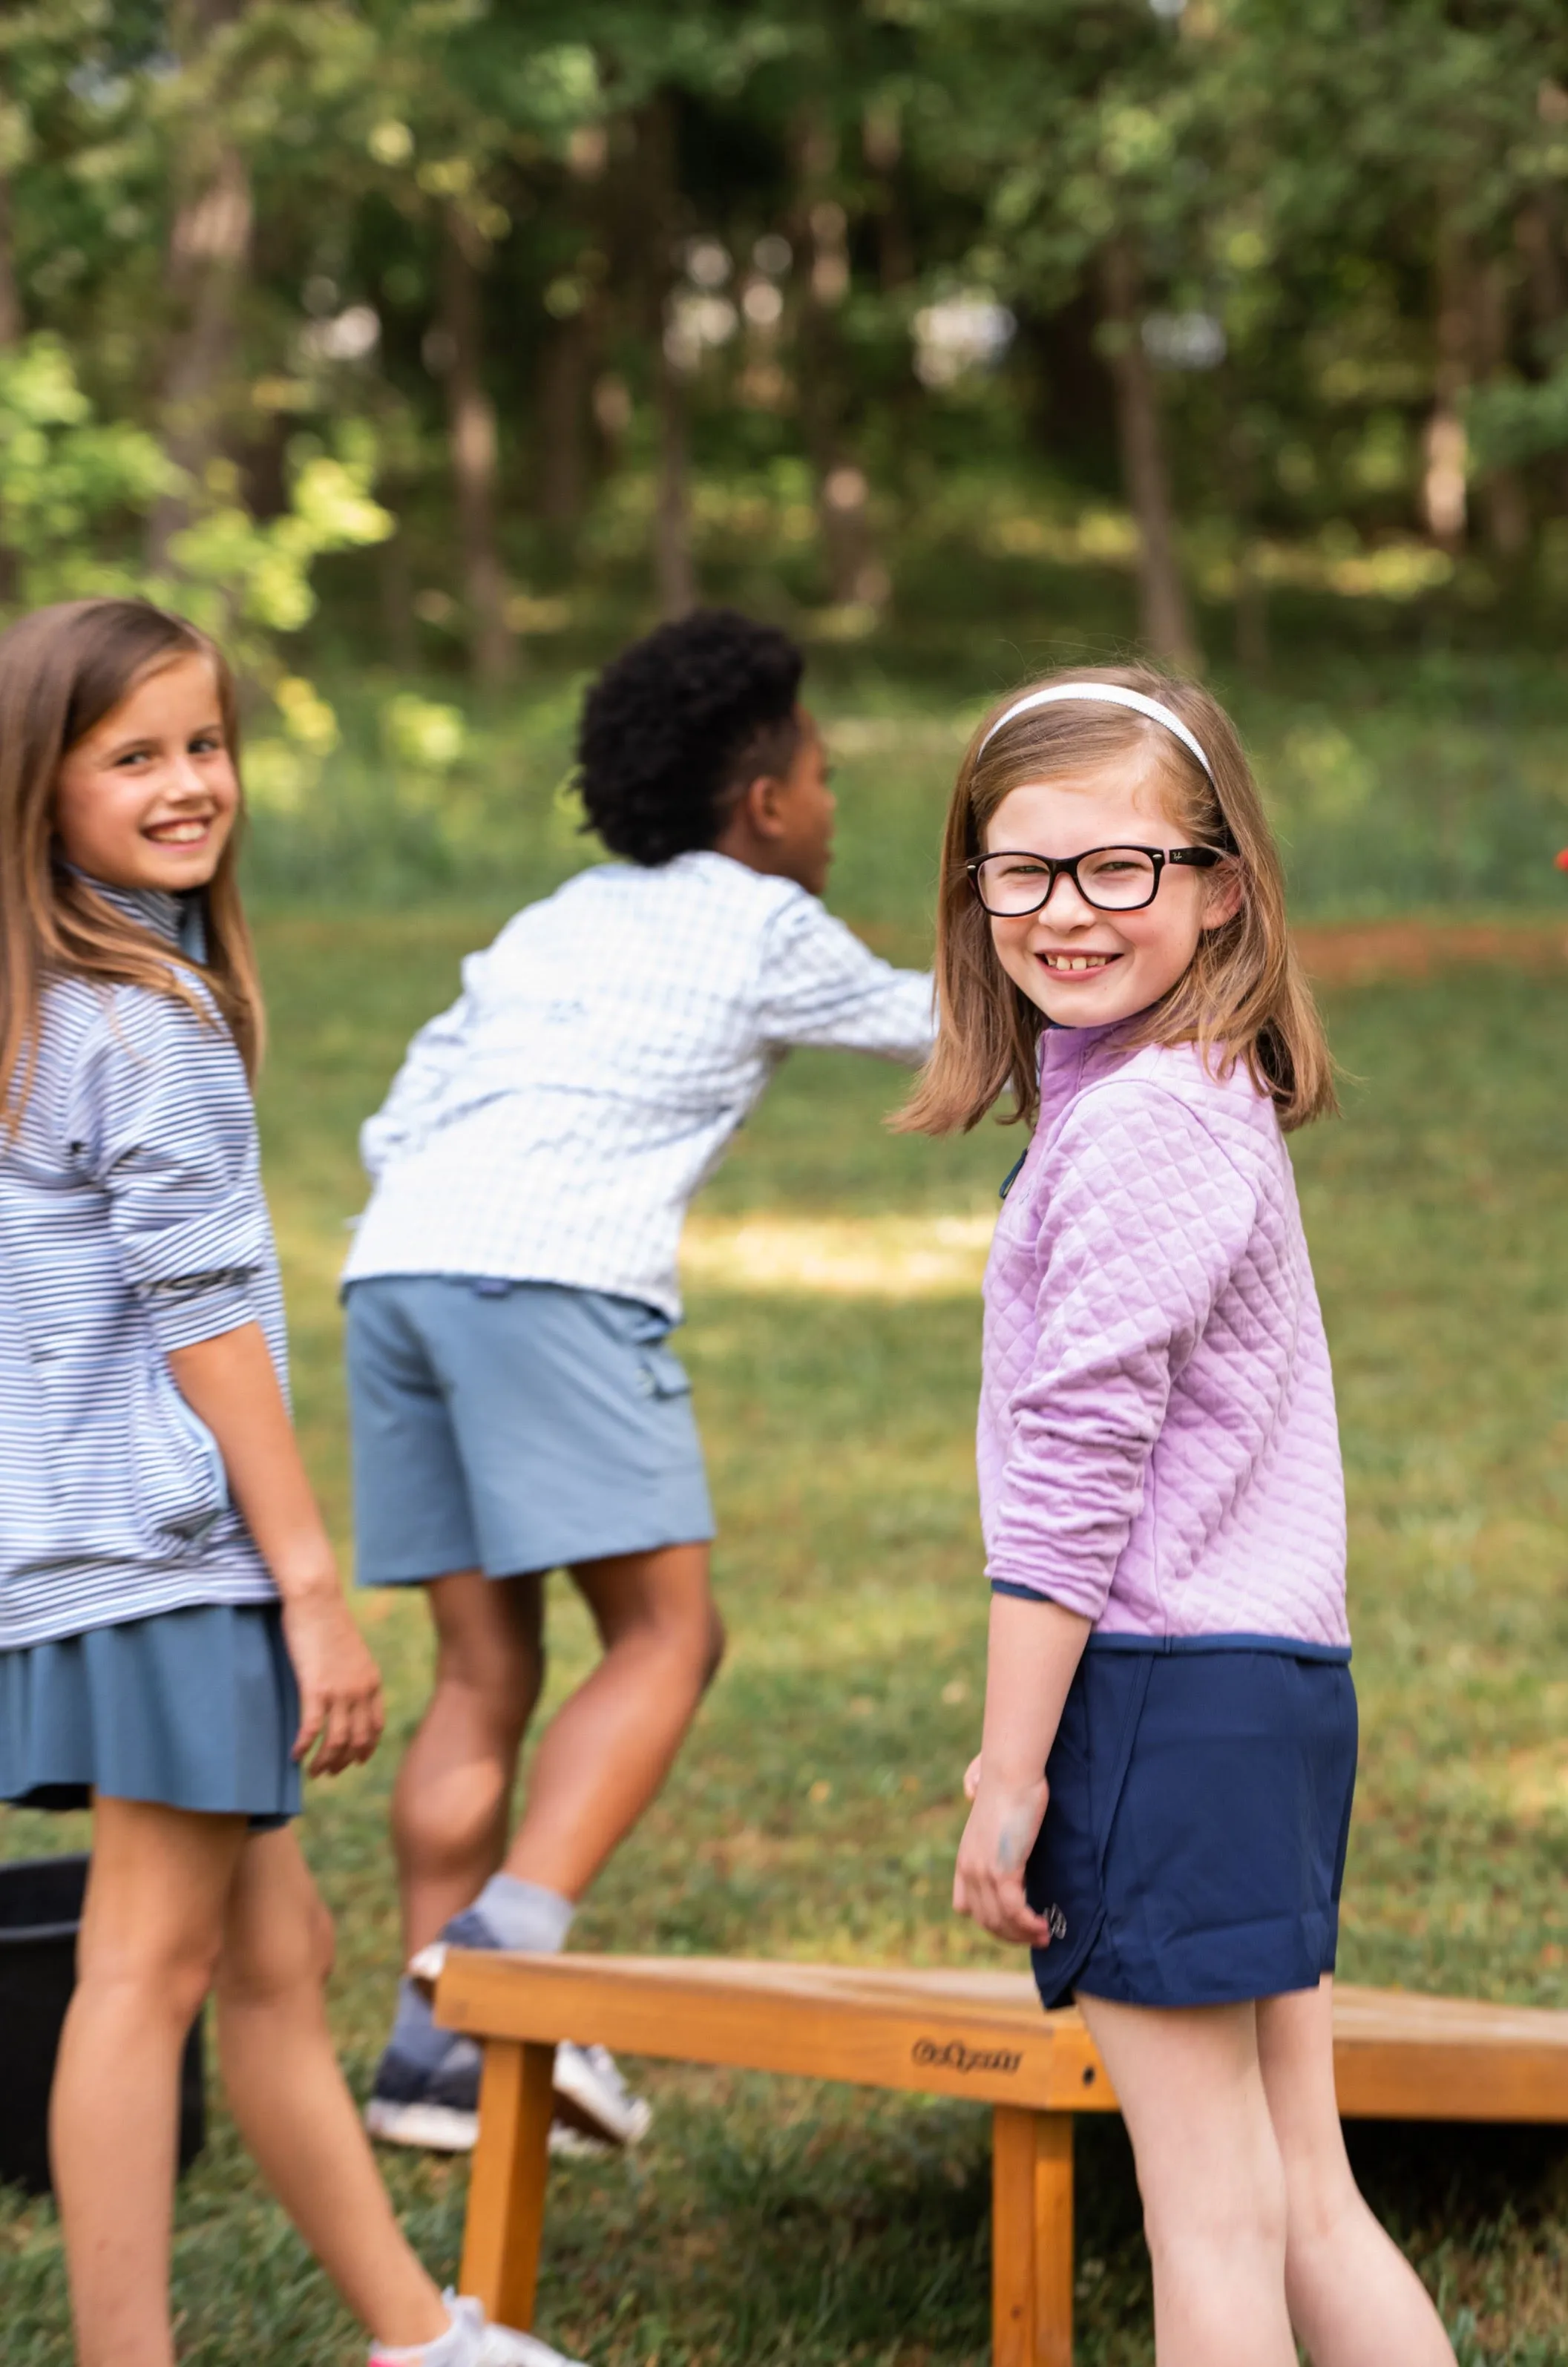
(1242, 998)
(62, 670)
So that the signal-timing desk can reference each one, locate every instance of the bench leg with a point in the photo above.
(1031, 2239)
(505, 2195)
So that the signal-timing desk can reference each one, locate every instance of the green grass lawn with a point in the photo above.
(814, 1811)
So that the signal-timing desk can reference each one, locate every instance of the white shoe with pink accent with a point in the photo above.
(471, 2341)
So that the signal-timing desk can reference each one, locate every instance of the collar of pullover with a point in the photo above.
(178, 920)
(1062, 1046)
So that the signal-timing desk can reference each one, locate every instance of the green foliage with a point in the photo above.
(75, 495)
(68, 481)
(1514, 421)
(1343, 223)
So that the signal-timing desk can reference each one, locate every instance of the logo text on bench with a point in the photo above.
(952, 2055)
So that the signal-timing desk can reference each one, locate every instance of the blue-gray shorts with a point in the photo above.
(514, 1426)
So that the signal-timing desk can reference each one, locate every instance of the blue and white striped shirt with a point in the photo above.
(132, 1223)
(553, 1125)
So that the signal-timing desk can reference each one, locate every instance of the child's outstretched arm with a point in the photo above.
(1034, 1650)
(230, 1383)
(818, 984)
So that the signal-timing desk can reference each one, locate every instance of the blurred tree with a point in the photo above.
(588, 281)
(209, 254)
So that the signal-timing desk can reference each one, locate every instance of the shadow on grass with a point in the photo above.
(1457, 2177)
(779, 2222)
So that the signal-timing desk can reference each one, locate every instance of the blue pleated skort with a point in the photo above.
(193, 1709)
(1193, 1847)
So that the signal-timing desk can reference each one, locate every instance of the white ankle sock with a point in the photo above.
(453, 2348)
(524, 1915)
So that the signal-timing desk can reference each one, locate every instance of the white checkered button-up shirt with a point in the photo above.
(553, 1125)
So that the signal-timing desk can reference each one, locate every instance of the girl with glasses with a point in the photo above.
(1162, 1798)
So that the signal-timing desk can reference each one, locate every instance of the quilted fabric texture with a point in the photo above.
(1157, 1441)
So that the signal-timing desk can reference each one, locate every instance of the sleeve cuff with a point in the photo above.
(1063, 1598)
(203, 1309)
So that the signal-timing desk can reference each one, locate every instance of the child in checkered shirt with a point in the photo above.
(516, 1406)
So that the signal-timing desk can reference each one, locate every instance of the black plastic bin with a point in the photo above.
(40, 1910)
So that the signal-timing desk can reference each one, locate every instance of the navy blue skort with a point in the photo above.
(1193, 1848)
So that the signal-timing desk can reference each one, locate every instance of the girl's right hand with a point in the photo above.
(341, 1709)
(988, 1880)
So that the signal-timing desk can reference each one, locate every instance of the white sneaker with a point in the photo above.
(434, 2108)
(444, 2128)
(427, 2127)
(591, 2096)
(425, 1966)
(470, 2341)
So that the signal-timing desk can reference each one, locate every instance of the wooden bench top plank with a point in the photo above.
(830, 2027)
(981, 2034)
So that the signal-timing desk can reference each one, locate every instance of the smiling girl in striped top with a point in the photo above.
(173, 1640)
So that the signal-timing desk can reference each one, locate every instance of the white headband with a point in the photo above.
(1108, 694)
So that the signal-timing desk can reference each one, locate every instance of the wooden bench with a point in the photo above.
(976, 2034)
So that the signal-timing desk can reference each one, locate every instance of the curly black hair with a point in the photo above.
(678, 724)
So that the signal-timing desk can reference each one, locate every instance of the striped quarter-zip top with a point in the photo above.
(132, 1223)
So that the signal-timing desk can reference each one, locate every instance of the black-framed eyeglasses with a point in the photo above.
(1111, 879)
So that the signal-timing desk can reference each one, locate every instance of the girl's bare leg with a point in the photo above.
(151, 1932)
(1209, 2172)
(291, 2101)
(1355, 2299)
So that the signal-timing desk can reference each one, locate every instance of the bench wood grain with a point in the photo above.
(976, 2034)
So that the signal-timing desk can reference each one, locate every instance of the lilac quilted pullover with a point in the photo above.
(1157, 1441)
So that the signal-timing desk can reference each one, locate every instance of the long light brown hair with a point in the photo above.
(1243, 997)
(62, 670)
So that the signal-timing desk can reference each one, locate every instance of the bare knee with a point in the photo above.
(686, 1639)
(1324, 2203)
(495, 1694)
(167, 1974)
(284, 1953)
(1243, 2207)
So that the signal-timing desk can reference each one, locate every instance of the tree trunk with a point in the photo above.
(209, 255)
(1252, 645)
(1538, 233)
(1165, 621)
(470, 428)
(857, 577)
(10, 294)
(564, 377)
(1505, 504)
(881, 142)
(1444, 496)
(674, 570)
(675, 574)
